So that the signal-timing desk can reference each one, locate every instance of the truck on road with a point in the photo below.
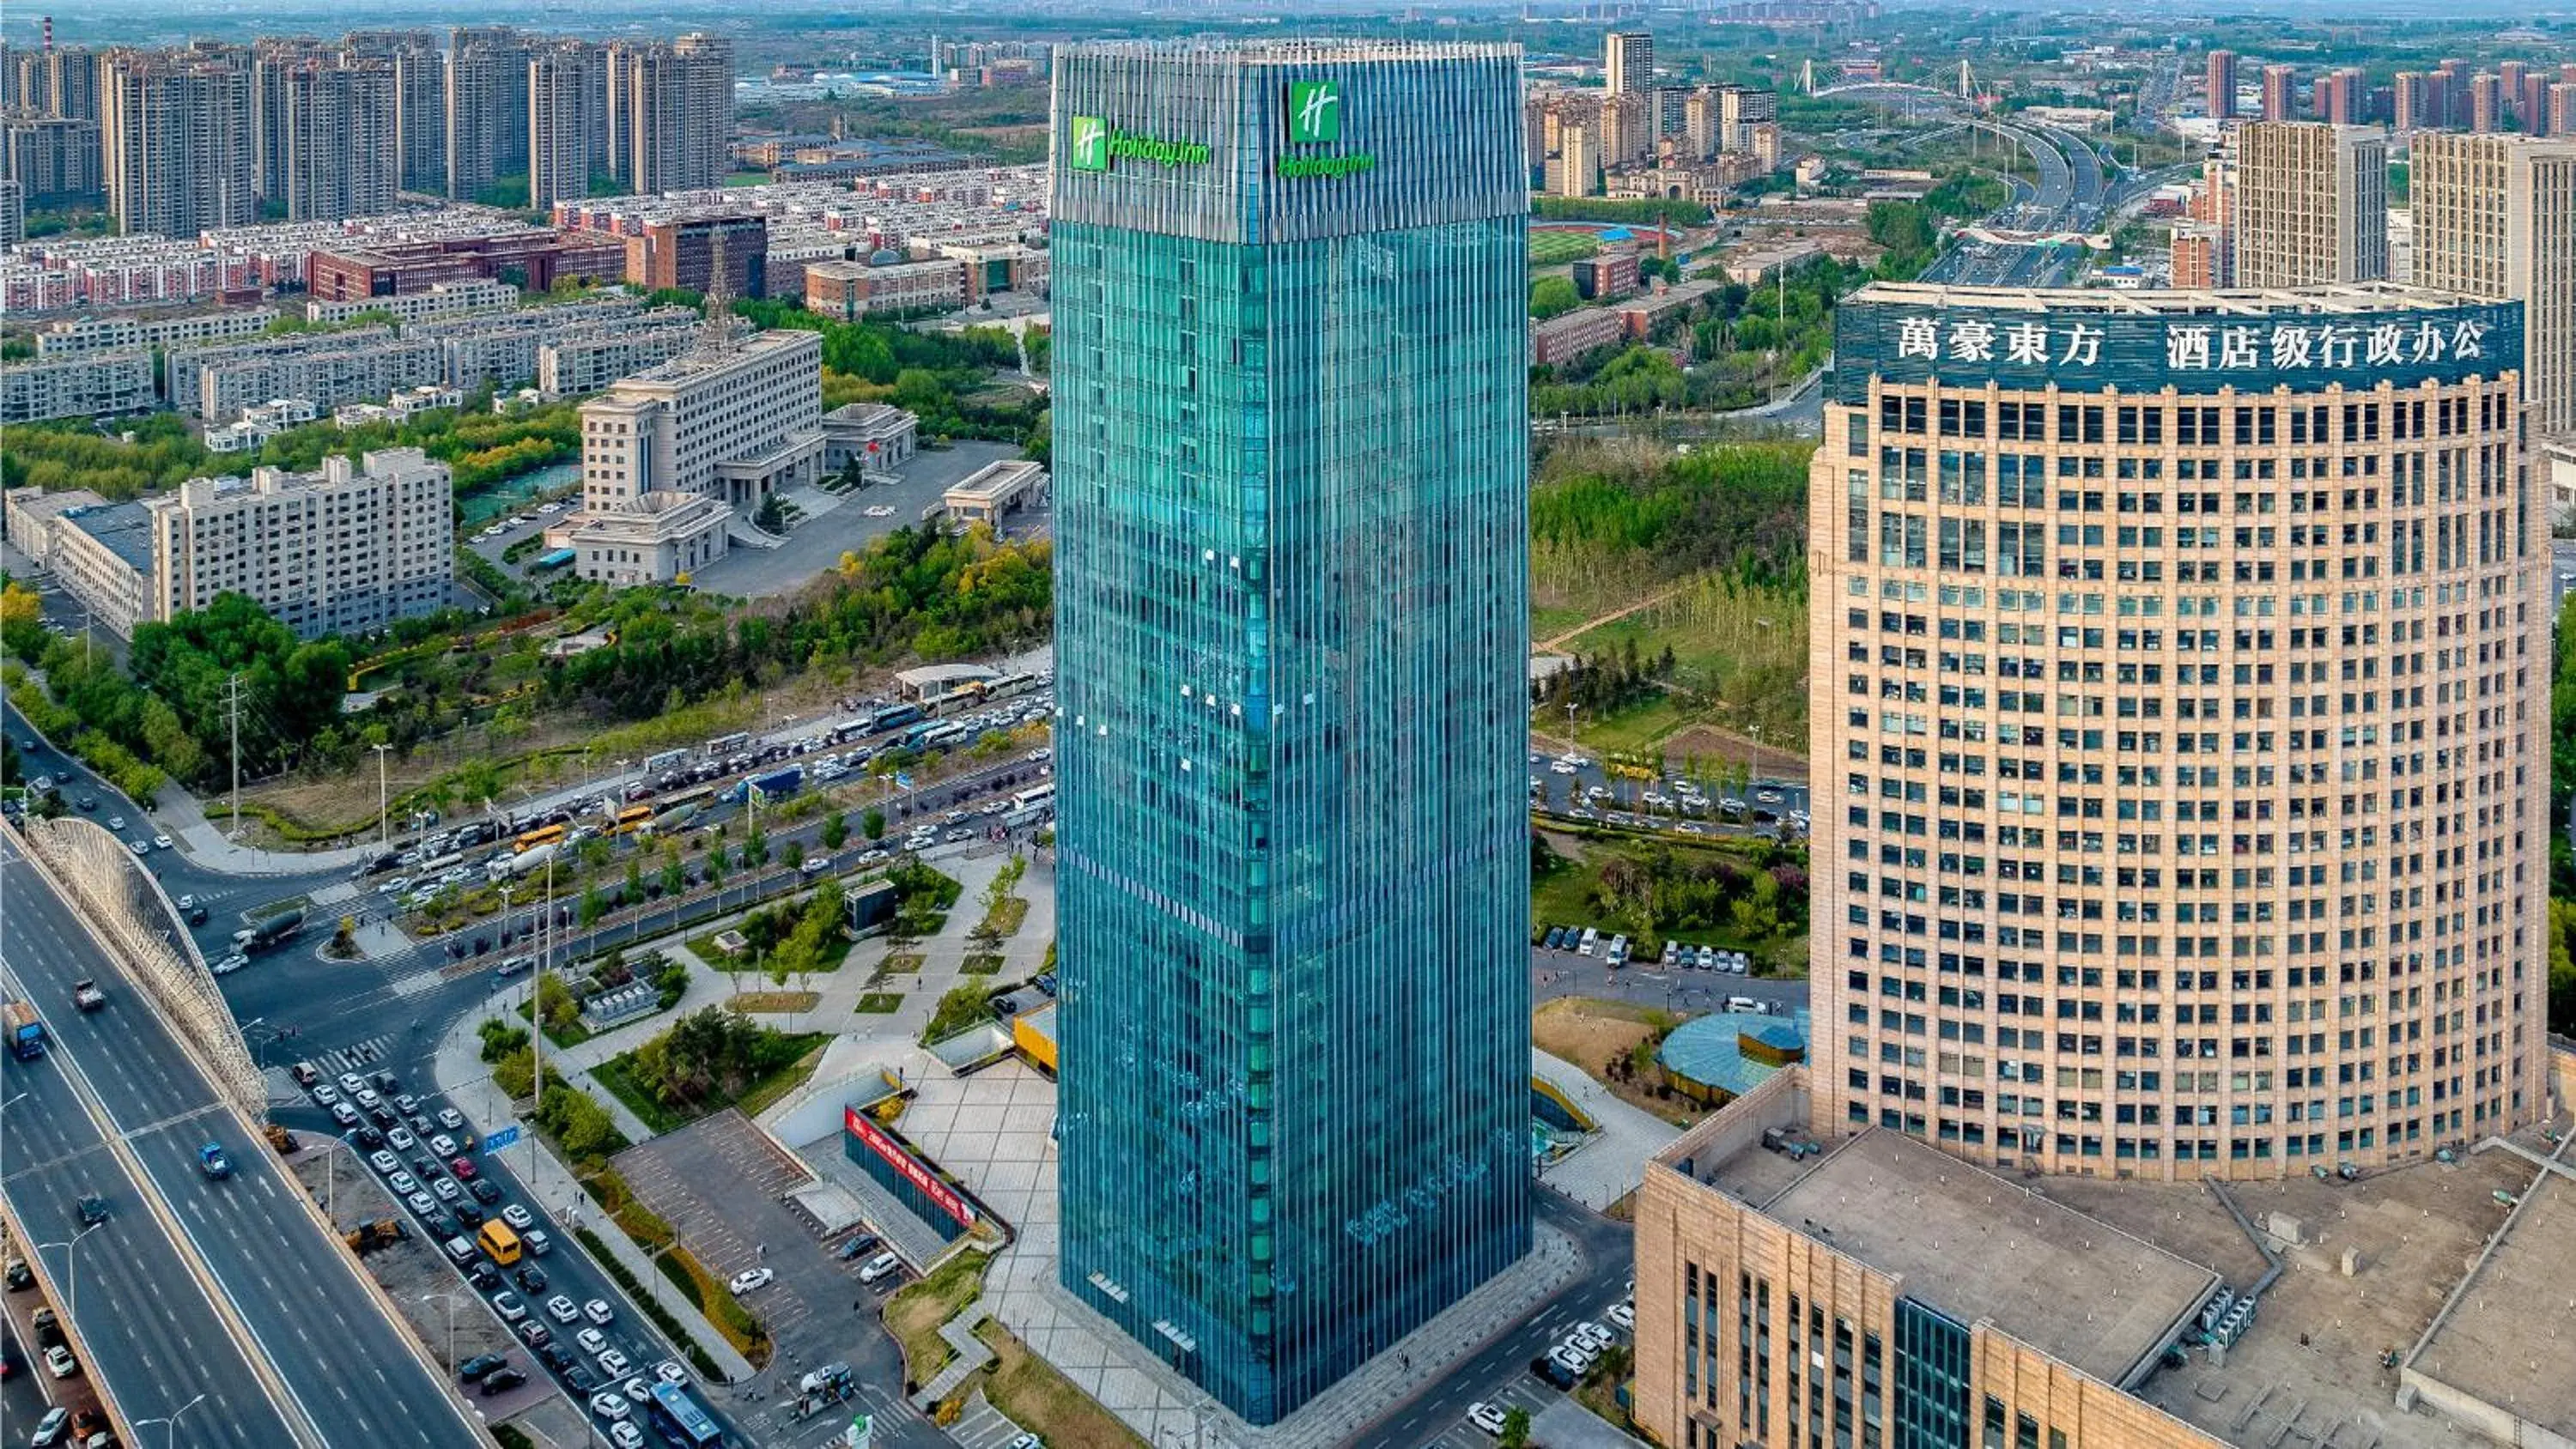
(511, 867)
(776, 785)
(87, 996)
(26, 1030)
(274, 931)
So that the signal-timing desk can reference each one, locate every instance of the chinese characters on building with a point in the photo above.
(2200, 347)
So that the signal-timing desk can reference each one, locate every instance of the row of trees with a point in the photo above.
(1739, 509)
(1654, 890)
(1604, 683)
(710, 1057)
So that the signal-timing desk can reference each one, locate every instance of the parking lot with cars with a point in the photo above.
(569, 1322)
(1580, 788)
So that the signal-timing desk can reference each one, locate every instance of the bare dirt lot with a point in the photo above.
(411, 1271)
(1588, 1032)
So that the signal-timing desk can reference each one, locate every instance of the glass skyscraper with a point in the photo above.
(1291, 506)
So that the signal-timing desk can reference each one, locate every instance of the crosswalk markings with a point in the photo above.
(417, 982)
(350, 1058)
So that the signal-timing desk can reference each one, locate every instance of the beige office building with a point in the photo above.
(2495, 217)
(2181, 662)
(2311, 204)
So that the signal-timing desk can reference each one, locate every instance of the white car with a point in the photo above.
(509, 1305)
(60, 1363)
(422, 1204)
(613, 1363)
(446, 1189)
(401, 1140)
(186, 903)
(1487, 1417)
(592, 1341)
(451, 1119)
(750, 1278)
(230, 964)
(598, 1311)
(442, 1147)
(1593, 1336)
(325, 1094)
(624, 1435)
(402, 1182)
(1624, 1316)
(518, 1217)
(881, 1266)
(537, 1242)
(561, 1309)
(394, 887)
(1571, 1359)
(670, 1372)
(384, 1162)
(160, 842)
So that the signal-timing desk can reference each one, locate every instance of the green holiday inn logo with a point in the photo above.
(1314, 112)
(1315, 119)
(1090, 144)
(1096, 144)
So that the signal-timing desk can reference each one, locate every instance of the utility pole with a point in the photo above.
(384, 813)
(232, 687)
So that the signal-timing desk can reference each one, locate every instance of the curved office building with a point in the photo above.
(2181, 668)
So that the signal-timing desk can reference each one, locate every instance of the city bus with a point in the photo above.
(543, 835)
(632, 819)
(679, 1415)
(694, 795)
(1034, 795)
(730, 744)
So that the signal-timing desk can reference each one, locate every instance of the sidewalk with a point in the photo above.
(183, 818)
(460, 1072)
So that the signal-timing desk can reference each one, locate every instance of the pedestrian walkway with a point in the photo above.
(1611, 1161)
(969, 1353)
(461, 1073)
(183, 818)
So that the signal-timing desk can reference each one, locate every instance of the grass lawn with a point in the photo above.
(1030, 1391)
(898, 963)
(1548, 623)
(708, 951)
(982, 964)
(573, 1035)
(881, 1003)
(914, 1314)
(1004, 919)
(1741, 653)
(1561, 895)
(794, 1058)
(774, 1003)
(1553, 248)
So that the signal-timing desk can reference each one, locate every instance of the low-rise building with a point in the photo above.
(103, 557)
(1641, 315)
(586, 363)
(443, 299)
(995, 491)
(88, 336)
(216, 381)
(1610, 275)
(877, 435)
(76, 387)
(851, 290)
(658, 538)
(345, 550)
(30, 515)
(1569, 336)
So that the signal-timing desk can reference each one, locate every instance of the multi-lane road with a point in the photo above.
(186, 1267)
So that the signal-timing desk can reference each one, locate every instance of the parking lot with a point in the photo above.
(570, 1324)
(719, 1183)
(818, 543)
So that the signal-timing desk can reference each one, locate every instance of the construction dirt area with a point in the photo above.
(411, 1271)
(1589, 1032)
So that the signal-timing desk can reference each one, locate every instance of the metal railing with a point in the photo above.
(115, 895)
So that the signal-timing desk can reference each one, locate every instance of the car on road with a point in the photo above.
(518, 1217)
(613, 1363)
(304, 1074)
(344, 1114)
(532, 1279)
(60, 1363)
(443, 1147)
(421, 1203)
(481, 1364)
(325, 1094)
(161, 842)
(536, 1242)
(463, 1167)
(116, 822)
(749, 1279)
(1487, 1417)
(485, 1190)
(670, 1372)
(557, 1357)
(483, 1276)
(229, 964)
(92, 1211)
(609, 1404)
(447, 1191)
(598, 1311)
(212, 1162)
(562, 1309)
(451, 1119)
(402, 1182)
(592, 1341)
(385, 1163)
(51, 1428)
(580, 1379)
(399, 1139)
(510, 1306)
(534, 1334)
(624, 1435)
(21, 1277)
(1623, 1316)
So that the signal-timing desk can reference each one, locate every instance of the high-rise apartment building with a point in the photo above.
(54, 159)
(567, 121)
(1576, 168)
(1628, 63)
(175, 138)
(2562, 109)
(2495, 217)
(2311, 204)
(420, 117)
(487, 107)
(335, 141)
(2280, 93)
(670, 113)
(2220, 82)
(2486, 103)
(2191, 728)
(1290, 340)
(2411, 103)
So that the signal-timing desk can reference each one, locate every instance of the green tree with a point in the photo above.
(873, 825)
(1553, 297)
(1516, 1428)
(793, 854)
(755, 848)
(836, 830)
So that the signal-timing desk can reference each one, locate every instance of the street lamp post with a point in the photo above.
(71, 1260)
(447, 1301)
(384, 811)
(172, 1421)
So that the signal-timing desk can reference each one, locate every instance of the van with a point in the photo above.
(1743, 1005)
(1591, 938)
(499, 1242)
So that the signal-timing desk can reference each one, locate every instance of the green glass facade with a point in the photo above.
(1291, 508)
